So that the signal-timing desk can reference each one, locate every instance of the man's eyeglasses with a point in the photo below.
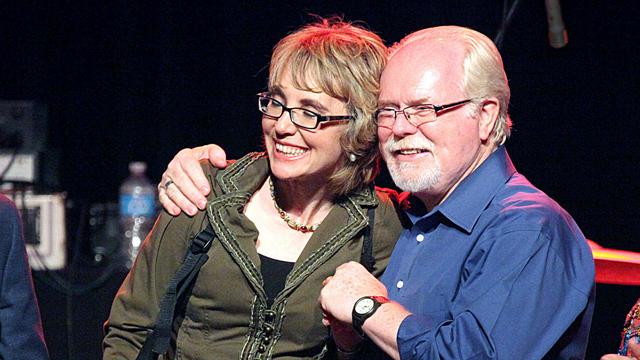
(417, 115)
(301, 117)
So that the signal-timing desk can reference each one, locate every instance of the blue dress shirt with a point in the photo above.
(497, 271)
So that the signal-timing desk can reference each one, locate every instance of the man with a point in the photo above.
(488, 266)
(20, 328)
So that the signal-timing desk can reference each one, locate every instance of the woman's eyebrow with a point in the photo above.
(313, 103)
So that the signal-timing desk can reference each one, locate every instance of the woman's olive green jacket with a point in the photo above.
(227, 316)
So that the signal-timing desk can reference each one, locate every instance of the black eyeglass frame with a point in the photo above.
(436, 110)
(319, 118)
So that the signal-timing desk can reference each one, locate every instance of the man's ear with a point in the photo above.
(488, 116)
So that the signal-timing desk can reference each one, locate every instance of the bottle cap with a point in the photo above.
(137, 167)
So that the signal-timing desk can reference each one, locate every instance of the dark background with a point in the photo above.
(139, 80)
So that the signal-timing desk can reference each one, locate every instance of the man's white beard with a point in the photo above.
(410, 176)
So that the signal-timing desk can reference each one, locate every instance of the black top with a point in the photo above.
(274, 274)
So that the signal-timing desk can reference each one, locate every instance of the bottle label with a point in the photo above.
(137, 205)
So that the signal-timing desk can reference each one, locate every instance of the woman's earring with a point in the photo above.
(352, 157)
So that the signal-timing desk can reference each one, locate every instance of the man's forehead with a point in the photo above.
(419, 74)
(418, 87)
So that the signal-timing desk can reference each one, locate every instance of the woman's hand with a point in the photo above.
(345, 337)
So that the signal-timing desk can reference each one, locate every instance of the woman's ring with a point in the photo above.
(169, 182)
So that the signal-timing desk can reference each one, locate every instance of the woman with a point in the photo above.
(284, 219)
(630, 343)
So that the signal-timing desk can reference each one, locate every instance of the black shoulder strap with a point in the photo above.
(158, 340)
(366, 257)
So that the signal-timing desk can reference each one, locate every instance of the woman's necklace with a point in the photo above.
(287, 219)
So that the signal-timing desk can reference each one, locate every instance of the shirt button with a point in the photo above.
(400, 284)
(420, 237)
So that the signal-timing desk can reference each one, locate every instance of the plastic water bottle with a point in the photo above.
(137, 209)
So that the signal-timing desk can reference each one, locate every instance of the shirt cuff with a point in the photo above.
(413, 330)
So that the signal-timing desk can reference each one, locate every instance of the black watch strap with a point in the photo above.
(363, 309)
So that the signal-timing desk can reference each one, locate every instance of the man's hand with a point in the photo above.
(341, 291)
(633, 353)
(183, 186)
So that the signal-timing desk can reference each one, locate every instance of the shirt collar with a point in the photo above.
(465, 204)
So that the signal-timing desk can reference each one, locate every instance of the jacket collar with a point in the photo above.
(247, 174)
(244, 175)
(237, 233)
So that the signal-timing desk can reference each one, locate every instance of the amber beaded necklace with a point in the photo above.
(303, 228)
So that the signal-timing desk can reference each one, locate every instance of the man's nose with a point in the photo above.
(402, 126)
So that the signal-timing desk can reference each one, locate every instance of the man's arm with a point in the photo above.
(187, 185)
(500, 311)
(20, 328)
(351, 282)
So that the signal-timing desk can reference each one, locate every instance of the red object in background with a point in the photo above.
(618, 267)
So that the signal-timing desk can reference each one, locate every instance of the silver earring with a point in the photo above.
(352, 157)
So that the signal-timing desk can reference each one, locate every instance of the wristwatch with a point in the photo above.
(363, 309)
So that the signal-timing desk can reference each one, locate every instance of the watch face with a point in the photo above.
(364, 306)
